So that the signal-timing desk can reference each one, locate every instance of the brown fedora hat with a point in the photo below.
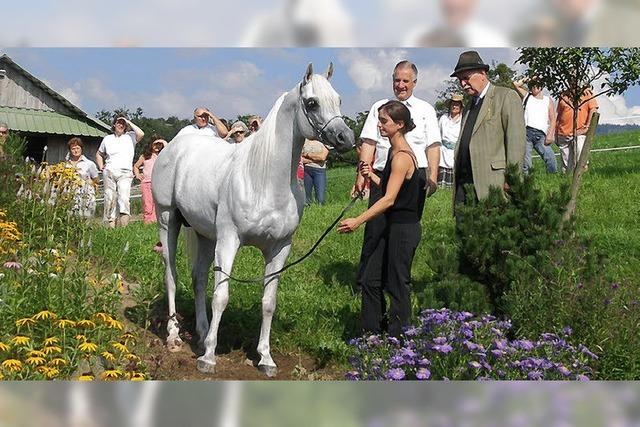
(469, 60)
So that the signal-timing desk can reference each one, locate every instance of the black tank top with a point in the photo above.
(406, 208)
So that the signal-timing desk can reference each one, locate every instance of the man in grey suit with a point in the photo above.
(493, 131)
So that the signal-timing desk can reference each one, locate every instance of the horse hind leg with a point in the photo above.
(169, 226)
(200, 278)
(274, 260)
(225, 253)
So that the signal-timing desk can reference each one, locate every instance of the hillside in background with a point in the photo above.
(605, 129)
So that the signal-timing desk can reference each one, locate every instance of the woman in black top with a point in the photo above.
(400, 183)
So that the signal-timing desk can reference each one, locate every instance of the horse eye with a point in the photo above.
(312, 104)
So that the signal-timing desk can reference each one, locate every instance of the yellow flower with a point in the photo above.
(102, 316)
(136, 376)
(120, 347)
(49, 372)
(63, 323)
(128, 336)
(111, 374)
(114, 324)
(80, 337)
(58, 361)
(132, 357)
(88, 347)
(35, 353)
(20, 340)
(52, 349)
(26, 321)
(108, 356)
(85, 324)
(4, 347)
(51, 341)
(85, 377)
(35, 361)
(45, 314)
(12, 364)
(1, 376)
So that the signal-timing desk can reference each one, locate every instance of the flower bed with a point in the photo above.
(447, 345)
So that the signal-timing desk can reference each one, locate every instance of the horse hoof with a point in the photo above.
(206, 367)
(269, 371)
(174, 346)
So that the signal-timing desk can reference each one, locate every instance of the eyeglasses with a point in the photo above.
(466, 76)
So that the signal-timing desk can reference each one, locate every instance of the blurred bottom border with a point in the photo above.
(367, 404)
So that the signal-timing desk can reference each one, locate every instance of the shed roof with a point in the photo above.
(41, 121)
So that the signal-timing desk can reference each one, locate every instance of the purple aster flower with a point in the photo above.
(634, 303)
(393, 340)
(412, 331)
(564, 371)
(396, 360)
(500, 344)
(525, 345)
(407, 353)
(534, 375)
(587, 352)
(440, 340)
(374, 340)
(567, 330)
(352, 376)
(470, 345)
(582, 377)
(423, 374)
(424, 362)
(395, 374)
(466, 332)
(444, 348)
(497, 353)
(615, 286)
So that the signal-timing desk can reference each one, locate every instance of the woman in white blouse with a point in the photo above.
(85, 200)
(450, 124)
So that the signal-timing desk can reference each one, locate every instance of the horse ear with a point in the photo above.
(329, 71)
(307, 74)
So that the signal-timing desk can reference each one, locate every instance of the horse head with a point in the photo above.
(319, 113)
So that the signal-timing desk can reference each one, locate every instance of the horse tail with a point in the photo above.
(190, 245)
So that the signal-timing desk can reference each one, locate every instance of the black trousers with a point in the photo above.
(389, 270)
(373, 229)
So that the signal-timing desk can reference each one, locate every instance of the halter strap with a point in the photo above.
(317, 128)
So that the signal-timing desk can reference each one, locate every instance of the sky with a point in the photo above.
(234, 81)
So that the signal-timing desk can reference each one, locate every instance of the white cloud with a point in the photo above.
(614, 110)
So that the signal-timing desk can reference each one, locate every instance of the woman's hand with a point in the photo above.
(366, 170)
(348, 225)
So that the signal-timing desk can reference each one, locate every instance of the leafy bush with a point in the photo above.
(459, 346)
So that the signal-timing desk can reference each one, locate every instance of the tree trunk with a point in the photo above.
(580, 167)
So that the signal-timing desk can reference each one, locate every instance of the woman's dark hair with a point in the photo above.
(399, 113)
(148, 150)
(75, 141)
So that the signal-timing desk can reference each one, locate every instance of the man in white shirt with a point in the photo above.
(115, 159)
(425, 142)
(202, 125)
(539, 117)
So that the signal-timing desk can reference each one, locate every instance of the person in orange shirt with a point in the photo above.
(564, 127)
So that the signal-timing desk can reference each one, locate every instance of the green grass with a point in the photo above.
(318, 307)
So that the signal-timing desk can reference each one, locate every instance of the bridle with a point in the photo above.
(318, 128)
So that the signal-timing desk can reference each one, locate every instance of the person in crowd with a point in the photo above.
(115, 160)
(254, 123)
(424, 140)
(401, 186)
(85, 199)
(238, 132)
(564, 127)
(539, 118)
(450, 131)
(314, 156)
(146, 162)
(205, 123)
(488, 142)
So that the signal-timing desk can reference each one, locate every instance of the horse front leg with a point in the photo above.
(200, 279)
(169, 228)
(226, 250)
(274, 260)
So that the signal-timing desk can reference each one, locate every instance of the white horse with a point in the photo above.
(241, 195)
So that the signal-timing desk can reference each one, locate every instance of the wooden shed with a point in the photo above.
(44, 117)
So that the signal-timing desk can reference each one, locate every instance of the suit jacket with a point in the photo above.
(498, 138)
